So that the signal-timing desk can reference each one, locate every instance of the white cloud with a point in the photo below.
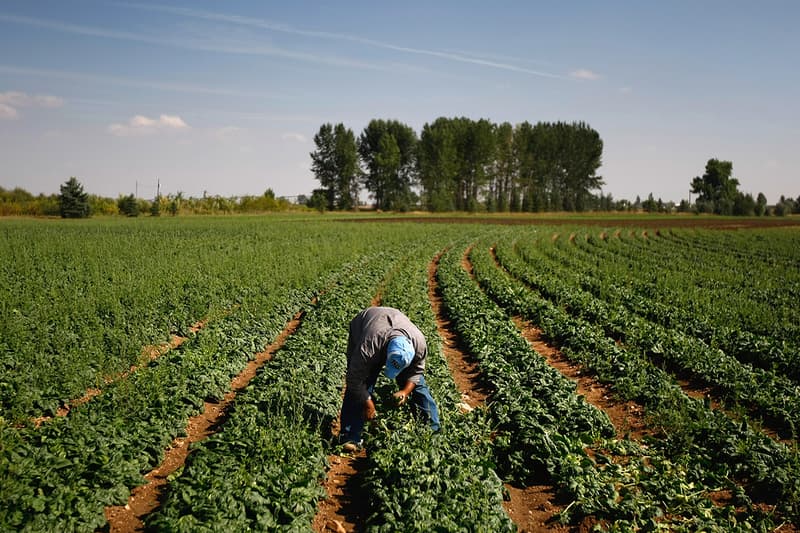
(626, 90)
(299, 137)
(584, 74)
(7, 112)
(142, 125)
(11, 101)
(285, 28)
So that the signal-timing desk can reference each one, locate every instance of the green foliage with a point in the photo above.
(717, 190)
(155, 207)
(388, 151)
(421, 481)
(128, 206)
(73, 201)
(79, 303)
(335, 165)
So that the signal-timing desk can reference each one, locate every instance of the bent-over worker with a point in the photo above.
(383, 338)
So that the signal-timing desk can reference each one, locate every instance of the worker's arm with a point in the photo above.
(402, 395)
(369, 409)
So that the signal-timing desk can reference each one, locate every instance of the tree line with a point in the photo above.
(455, 164)
(74, 202)
(718, 192)
(459, 164)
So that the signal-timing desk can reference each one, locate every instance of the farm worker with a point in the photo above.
(383, 338)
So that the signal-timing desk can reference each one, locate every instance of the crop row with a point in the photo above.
(602, 277)
(541, 423)
(423, 481)
(79, 301)
(758, 296)
(712, 449)
(628, 483)
(264, 469)
(61, 475)
(779, 249)
(772, 397)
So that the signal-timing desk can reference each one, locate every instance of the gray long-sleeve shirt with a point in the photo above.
(370, 332)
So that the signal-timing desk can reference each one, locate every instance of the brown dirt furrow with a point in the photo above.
(149, 354)
(463, 367)
(531, 508)
(344, 508)
(146, 498)
(626, 416)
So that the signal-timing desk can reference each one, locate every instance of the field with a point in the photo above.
(186, 374)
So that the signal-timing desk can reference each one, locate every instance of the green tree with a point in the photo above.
(650, 205)
(502, 178)
(716, 188)
(744, 205)
(476, 149)
(175, 203)
(128, 206)
(437, 163)
(761, 205)
(155, 207)
(335, 165)
(73, 201)
(318, 200)
(348, 171)
(388, 150)
(323, 163)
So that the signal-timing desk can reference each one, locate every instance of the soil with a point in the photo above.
(463, 367)
(345, 508)
(146, 498)
(531, 508)
(627, 417)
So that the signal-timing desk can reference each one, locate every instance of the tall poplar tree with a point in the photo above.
(335, 165)
(388, 150)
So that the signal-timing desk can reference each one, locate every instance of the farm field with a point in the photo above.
(185, 374)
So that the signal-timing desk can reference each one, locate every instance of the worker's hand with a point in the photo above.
(400, 397)
(369, 410)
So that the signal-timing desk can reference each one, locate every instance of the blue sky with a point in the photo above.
(225, 97)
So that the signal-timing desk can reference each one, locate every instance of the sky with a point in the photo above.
(224, 98)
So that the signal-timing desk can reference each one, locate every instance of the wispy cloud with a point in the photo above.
(290, 136)
(204, 45)
(584, 74)
(11, 101)
(285, 28)
(142, 125)
(85, 77)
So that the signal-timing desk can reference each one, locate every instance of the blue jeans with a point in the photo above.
(352, 421)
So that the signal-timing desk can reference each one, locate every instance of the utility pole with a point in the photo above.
(136, 190)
